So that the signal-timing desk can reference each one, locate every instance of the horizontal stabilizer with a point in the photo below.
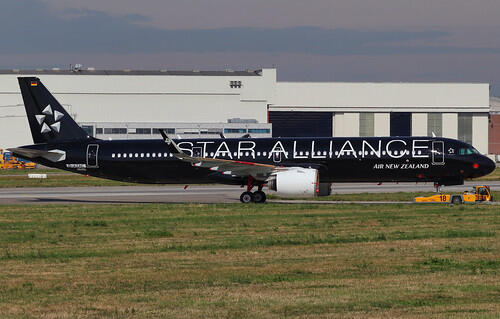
(52, 155)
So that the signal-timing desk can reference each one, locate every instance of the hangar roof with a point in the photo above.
(91, 71)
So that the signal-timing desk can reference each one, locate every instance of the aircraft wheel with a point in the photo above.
(246, 197)
(456, 200)
(259, 197)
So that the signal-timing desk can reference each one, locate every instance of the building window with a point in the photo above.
(98, 130)
(191, 132)
(435, 124)
(167, 130)
(235, 130)
(89, 129)
(235, 84)
(465, 127)
(143, 131)
(366, 124)
(259, 130)
(115, 130)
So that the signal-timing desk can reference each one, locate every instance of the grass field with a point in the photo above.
(57, 180)
(377, 197)
(253, 261)
(29, 171)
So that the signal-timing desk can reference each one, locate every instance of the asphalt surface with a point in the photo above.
(194, 194)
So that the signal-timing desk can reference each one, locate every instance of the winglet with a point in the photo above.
(172, 147)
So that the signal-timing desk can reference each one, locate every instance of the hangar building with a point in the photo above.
(494, 139)
(135, 104)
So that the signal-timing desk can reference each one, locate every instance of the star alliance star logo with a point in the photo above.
(41, 118)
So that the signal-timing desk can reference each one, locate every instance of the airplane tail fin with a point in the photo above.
(49, 122)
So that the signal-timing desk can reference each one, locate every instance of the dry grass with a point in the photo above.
(56, 180)
(256, 261)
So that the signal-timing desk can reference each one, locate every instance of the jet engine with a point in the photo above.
(296, 181)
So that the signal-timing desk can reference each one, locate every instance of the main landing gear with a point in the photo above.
(257, 197)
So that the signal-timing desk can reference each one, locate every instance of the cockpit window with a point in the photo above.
(468, 151)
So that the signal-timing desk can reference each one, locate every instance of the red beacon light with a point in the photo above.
(475, 165)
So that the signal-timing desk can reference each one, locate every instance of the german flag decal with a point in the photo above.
(34, 83)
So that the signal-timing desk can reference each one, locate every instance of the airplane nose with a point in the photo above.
(489, 166)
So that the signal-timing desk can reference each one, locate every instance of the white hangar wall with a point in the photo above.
(199, 104)
(455, 110)
(141, 97)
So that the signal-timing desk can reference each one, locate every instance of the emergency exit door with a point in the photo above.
(92, 152)
(438, 153)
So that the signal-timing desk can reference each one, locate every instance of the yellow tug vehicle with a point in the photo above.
(480, 193)
(7, 161)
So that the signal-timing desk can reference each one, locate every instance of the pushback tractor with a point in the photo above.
(480, 193)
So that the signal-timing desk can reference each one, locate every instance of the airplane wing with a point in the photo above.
(226, 167)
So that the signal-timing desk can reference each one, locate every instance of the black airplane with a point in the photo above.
(289, 166)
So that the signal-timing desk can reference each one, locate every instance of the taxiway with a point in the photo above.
(193, 194)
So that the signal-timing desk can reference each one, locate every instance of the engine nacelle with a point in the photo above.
(296, 181)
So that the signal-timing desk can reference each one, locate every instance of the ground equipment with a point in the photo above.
(7, 161)
(480, 193)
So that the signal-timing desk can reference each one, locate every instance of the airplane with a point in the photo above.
(288, 165)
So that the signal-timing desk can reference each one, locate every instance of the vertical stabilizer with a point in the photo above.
(49, 122)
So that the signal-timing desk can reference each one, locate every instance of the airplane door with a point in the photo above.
(438, 153)
(92, 152)
(277, 155)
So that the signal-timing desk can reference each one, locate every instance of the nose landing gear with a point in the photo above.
(437, 187)
(257, 197)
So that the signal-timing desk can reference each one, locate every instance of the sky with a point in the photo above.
(314, 40)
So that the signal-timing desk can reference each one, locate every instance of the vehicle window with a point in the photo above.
(468, 151)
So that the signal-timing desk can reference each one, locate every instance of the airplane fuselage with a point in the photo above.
(356, 159)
